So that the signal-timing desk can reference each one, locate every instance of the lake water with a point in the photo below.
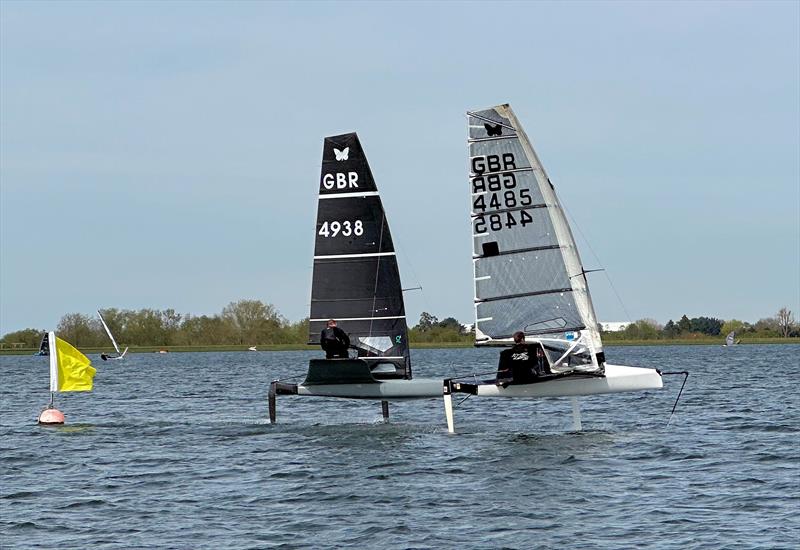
(175, 451)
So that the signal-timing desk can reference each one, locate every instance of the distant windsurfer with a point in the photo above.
(334, 341)
(523, 363)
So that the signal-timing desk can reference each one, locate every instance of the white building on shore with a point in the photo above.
(614, 326)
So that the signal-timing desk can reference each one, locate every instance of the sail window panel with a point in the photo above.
(522, 273)
(497, 156)
(353, 225)
(378, 337)
(512, 235)
(542, 314)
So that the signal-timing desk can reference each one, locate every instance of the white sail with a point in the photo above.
(108, 331)
(528, 273)
(730, 339)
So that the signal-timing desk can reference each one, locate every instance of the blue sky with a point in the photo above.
(157, 154)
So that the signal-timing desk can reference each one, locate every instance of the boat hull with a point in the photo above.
(385, 390)
(618, 378)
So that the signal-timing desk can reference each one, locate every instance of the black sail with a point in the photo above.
(356, 280)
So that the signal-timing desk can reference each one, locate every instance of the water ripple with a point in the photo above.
(181, 456)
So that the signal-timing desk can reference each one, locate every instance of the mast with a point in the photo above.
(356, 279)
(108, 331)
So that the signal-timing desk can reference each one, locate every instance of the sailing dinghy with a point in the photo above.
(528, 274)
(111, 356)
(44, 346)
(356, 281)
(730, 339)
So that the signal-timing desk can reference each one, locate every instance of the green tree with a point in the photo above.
(684, 324)
(450, 323)
(29, 337)
(79, 330)
(643, 329)
(205, 330)
(767, 327)
(426, 322)
(670, 329)
(255, 322)
(171, 321)
(706, 325)
(785, 322)
(298, 333)
(734, 325)
(146, 328)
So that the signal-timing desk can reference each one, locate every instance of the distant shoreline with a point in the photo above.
(418, 345)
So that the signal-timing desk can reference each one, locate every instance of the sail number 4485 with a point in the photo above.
(345, 228)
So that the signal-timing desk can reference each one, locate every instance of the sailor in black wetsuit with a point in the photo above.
(334, 341)
(522, 364)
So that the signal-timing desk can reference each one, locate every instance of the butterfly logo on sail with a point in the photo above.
(341, 155)
(493, 130)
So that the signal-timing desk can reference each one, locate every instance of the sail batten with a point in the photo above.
(489, 139)
(522, 294)
(513, 209)
(524, 256)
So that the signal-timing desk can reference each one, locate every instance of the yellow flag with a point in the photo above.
(75, 371)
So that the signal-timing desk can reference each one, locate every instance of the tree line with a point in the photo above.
(781, 325)
(252, 322)
(246, 322)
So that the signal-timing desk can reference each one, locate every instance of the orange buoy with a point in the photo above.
(51, 416)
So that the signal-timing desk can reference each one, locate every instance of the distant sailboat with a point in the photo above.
(528, 274)
(252, 348)
(110, 356)
(356, 281)
(44, 346)
(70, 370)
(730, 339)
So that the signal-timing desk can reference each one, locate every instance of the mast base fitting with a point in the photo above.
(461, 387)
(51, 417)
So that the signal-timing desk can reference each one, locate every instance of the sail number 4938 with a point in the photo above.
(345, 228)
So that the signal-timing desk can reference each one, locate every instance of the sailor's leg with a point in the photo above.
(576, 414)
(447, 393)
(272, 398)
(385, 410)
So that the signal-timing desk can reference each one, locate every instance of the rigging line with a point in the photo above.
(597, 258)
(407, 261)
(293, 377)
(685, 374)
(459, 403)
(377, 273)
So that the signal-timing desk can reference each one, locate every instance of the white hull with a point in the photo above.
(618, 378)
(386, 390)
